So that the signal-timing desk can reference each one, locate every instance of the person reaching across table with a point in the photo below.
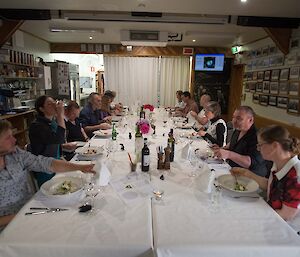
(241, 150)
(14, 166)
(216, 130)
(283, 184)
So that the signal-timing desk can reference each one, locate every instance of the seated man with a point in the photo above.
(201, 117)
(180, 104)
(14, 165)
(91, 117)
(115, 108)
(190, 105)
(241, 151)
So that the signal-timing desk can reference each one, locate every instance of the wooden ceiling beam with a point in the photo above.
(281, 37)
(7, 29)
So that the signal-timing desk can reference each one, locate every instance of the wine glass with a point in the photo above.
(195, 163)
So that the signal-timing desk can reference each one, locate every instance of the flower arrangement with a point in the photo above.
(144, 126)
(149, 106)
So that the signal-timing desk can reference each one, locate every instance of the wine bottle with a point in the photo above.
(171, 144)
(142, 113)
(138, 143)
(114, 133)
(145, 157)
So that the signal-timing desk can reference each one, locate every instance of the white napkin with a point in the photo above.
(102, 173)
(186, 151)
(191, 119)
(205, 181)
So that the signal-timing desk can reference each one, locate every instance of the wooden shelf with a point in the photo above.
(18, 78)
(19, 64)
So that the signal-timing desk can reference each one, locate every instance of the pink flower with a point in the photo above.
(149, 106)
(144, 126)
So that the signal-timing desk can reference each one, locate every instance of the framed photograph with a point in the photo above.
(265, 50)
(252, 86)
(275, 74)
(282, 102)
(255, 98)
(293, 106)
(294, 72)
(283, 87)
(250, 75)
(277, 60)
(245, 76)
(267, 75)
(266, 62)
(274, 87)
(295, 43)
(254, 77)
(260, 75)
(294, 88)
(266, 87)
(259, 87)
(273, 50)
(284, 74)
(263, 100)
(273, 100)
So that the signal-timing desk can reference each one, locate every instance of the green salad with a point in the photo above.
(66, 187)
(239, 187)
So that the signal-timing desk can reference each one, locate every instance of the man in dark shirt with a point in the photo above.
(91, 117)
(241, 151)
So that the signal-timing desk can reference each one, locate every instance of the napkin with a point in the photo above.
(205, 181)
(102, 176)
(192, 120)
(185, 152)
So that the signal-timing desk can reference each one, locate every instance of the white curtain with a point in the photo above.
(133, 78)
(175, 74)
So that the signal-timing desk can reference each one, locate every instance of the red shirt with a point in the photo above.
(284, 185)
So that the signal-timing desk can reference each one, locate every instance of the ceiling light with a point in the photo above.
(91, 37)
(194, 40)
(243, 1)
(73, 30)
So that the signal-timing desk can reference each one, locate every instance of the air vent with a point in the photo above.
(146, 14)
(144, 38)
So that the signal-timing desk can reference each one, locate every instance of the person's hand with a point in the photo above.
(60, 109)
(69, 146)
(108, 118)
(221, 153)
(202, 133)
(86, 168)
(237, 171)
(104, 126)
(193, 114)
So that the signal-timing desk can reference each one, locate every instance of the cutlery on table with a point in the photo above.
(245, 196)
(44, 210)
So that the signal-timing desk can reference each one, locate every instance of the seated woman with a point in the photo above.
(283, 184)
(14, 165)
(47, 132)
(105, 107)
(115, 108)
(74, 132)
(216, 128)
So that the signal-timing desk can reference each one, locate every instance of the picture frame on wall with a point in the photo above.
(246, 86)
(259, 87)
(255, 98)
(254, 77)
(252, 87)
(258, 52)
(263, 100)
(284, 74)
(265, 50)
(273, 50)
(267, 75)
(249, 76)
(282, 102)
(275, 74)
(294, 72)
(283, 87)
(293, 106)
(294, 88)
(266, 87)
(272, 100)
(274, 87)
(260, 75)
(295, 43)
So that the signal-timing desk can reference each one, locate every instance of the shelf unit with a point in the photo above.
(20, 123)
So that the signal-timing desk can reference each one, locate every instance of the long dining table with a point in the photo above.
(183, 222)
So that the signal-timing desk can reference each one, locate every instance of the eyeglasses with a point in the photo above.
(260, 145)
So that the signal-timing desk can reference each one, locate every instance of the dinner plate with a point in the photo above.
(183, 125)
(89, 152)
(79, 143)
(103, 133)
(72, 188)
(227, 181)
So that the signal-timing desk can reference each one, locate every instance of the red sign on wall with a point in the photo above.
(92, 69)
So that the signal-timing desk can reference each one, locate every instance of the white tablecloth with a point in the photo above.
(181, 224)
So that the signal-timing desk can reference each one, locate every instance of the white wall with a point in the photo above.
(270, 111)
(85, 62)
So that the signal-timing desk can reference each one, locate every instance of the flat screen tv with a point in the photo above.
(209, 62)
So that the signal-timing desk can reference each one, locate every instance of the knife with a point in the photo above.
(48, 209)
(45, 211)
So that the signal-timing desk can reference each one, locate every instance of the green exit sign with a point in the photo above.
(236, 49)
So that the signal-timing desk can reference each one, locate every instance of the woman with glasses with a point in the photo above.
(283, 184)
(216, 128)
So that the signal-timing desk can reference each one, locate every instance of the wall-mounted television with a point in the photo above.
(209, 62)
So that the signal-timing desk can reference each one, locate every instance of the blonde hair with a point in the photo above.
(4, 126)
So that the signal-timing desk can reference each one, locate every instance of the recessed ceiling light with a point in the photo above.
(91, 37)
(194, 40)
(243, 1)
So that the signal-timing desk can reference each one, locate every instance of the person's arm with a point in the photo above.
(63, 166)
(42, 134)
(287, 213)
(4, 220)
(220, 131)
(60, 114)
(97, 127)
(241, 160)
(261, 181)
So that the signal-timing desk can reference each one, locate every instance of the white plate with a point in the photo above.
(103, 133)
(181, 119)
(79, 143)
(90, 152)
(50, 187)
(183, 125)
(227, 181)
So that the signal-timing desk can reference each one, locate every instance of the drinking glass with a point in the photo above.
(195, 163)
